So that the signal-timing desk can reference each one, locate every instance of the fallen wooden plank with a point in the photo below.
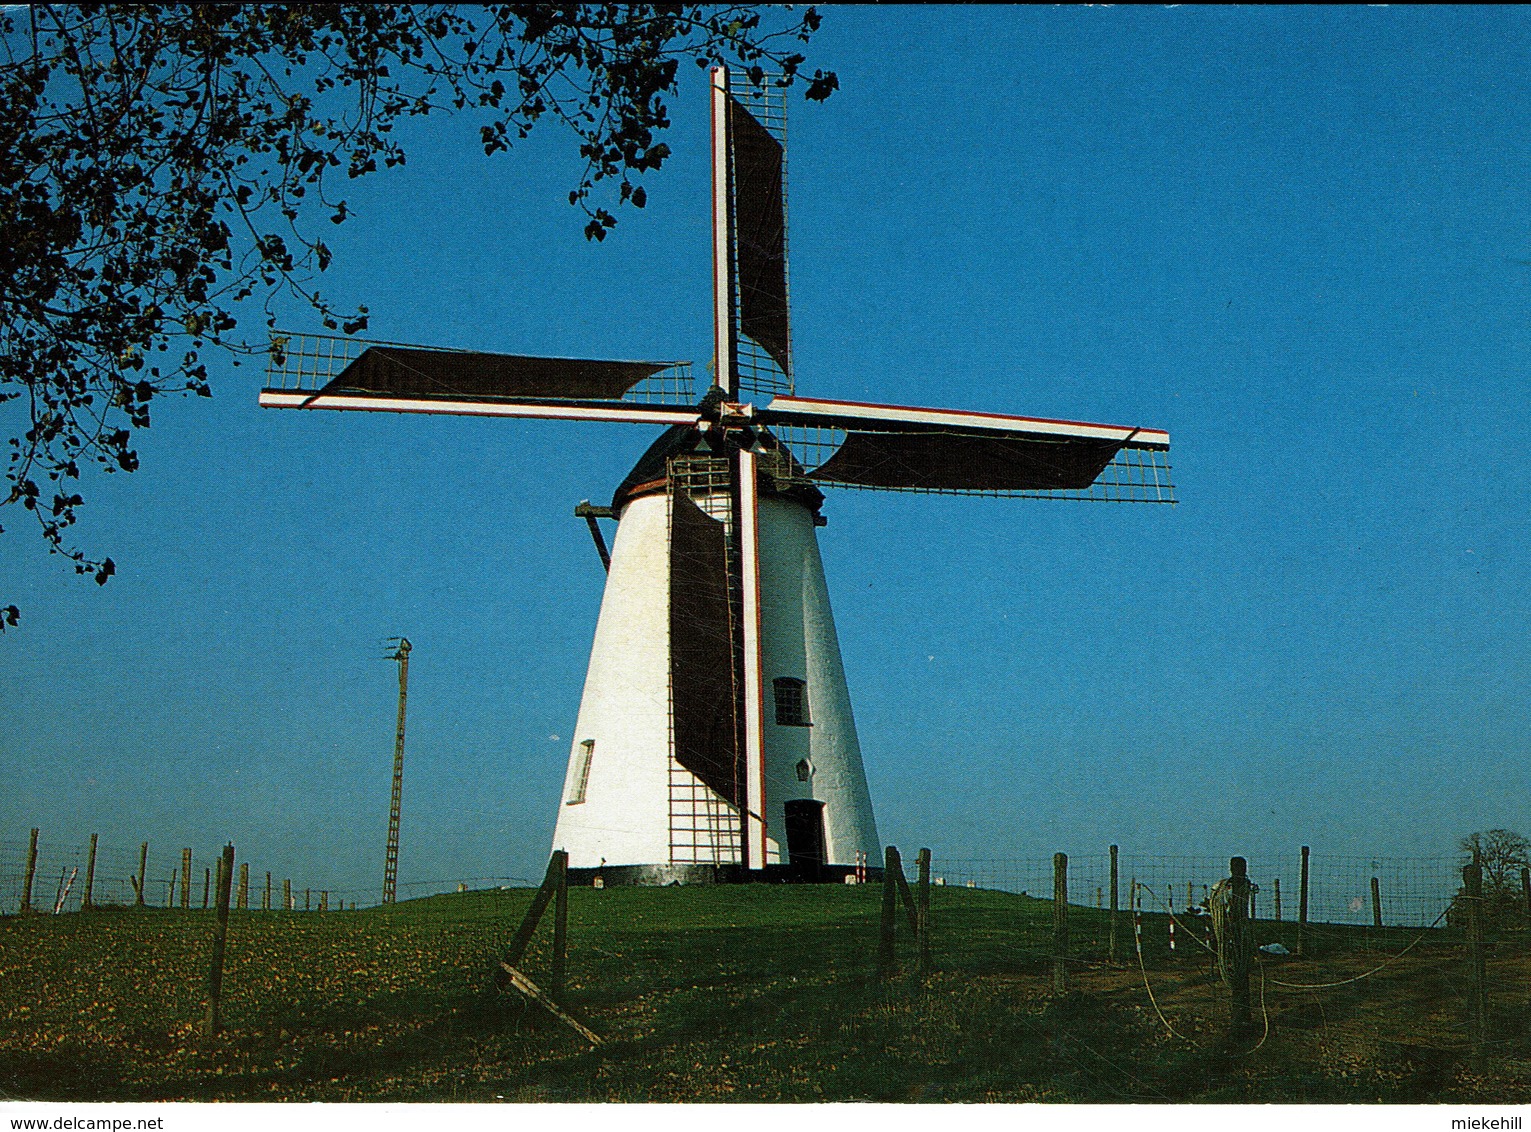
(532, 991)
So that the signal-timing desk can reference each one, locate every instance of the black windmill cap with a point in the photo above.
(652, 469)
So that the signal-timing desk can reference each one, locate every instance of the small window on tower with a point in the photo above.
(581, 773)
(804, 770)
(791, 702)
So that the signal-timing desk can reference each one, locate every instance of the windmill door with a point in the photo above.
(805, 834)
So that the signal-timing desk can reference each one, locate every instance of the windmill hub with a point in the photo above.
(715, 738)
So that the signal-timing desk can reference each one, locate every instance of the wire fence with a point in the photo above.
(63, 879)
(1420, 981)
(1413, 891)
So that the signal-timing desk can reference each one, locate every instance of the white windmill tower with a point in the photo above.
(715, 738)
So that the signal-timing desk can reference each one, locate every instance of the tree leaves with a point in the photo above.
(158, 165)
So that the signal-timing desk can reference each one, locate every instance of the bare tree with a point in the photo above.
(1502, 853)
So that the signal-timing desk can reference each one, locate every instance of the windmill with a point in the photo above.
(715, 738)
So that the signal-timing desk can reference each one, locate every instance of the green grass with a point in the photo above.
(747, 993)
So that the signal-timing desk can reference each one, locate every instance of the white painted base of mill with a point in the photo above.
(621, 786)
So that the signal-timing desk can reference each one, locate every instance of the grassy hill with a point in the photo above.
(748, 993)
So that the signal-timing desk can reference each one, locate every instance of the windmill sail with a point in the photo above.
(754, 339)
(760, 226)
(312, 371)
(415, 372)
(954, 461)
(901, 448)
(701, 649)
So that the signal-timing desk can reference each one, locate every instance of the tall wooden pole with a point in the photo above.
(1477, 991)
(143, 873)
(391, 858)
(923, 902)
(1060, 921)
(1302, 903)
(210, 1020)
(90, 875)
(26, 884)
(1111, 945)
(889, 922)
(1235, 949)
(185, 878)
(1376, 904)
(560, 936)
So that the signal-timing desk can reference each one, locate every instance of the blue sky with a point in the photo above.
(1295, 238)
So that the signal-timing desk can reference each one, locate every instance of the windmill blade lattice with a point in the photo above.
(946, 452)
(329, 363)
(757, 190)
(319, 371)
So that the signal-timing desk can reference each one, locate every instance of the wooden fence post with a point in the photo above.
(1525, 891)
(185, 878)
(1376, 903)
(207, 883)
(143, 874)
(560, 937)
(90, 876)
(210, 1020)
(1477, 994)
(265, 900)
(170, 891)
(924, 906)
(889, 923)
(1060, 921)
(1235, 946)
(307, 894)
(1111, 941)
(1276, 886)
(243, 900)
(324, 900)
(287, 895)
(1302, 903)
(558, 865)
(26, 884)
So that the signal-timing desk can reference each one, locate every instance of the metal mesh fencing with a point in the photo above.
(1413, 891)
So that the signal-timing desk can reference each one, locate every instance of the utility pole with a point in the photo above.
(391, 865)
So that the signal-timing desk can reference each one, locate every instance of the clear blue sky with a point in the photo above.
(1296, 238)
